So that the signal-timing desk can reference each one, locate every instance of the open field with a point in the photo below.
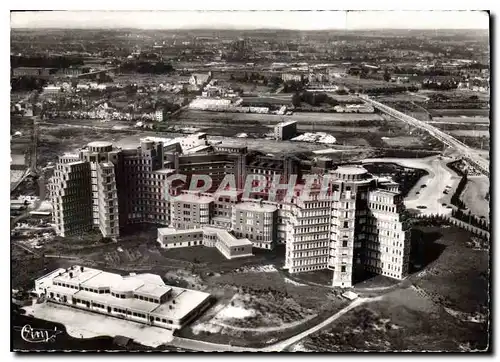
(472, 113)
(261, 307)
(469, 133)
(363, 130)
(18, 159)
(460, 119)
(190, 115)
(444, 311)
(267, 146)
(55, 140)
(402, 141)
(456, 274)
(474, 195)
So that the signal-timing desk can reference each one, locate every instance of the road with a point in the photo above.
(471, 155)
(431, 196)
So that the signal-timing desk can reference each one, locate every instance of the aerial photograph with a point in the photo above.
(246, 181)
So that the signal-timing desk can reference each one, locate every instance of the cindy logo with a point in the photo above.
(38, 335)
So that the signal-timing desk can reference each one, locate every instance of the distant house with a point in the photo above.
(52, 89)
(200, 79)
(286, 77)
(159, 113)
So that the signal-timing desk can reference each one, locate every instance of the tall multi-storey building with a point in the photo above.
(285, 130)
(345, 221)
(102, 158)
(71, 194)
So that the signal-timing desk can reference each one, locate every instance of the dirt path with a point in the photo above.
(267, 329)
(280, 346)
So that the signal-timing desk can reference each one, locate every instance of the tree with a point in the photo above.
(296, 99)
(387, 76)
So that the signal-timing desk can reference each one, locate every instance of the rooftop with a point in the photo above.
(149, 284)
(351, 170)
(255, 206)
(193, 198)
(226, 237)
(100, 144)
(287, 123)
(172, 231)
(153, 290)
(386, 192)
(185, 301)
(165, 171)
(77, 275)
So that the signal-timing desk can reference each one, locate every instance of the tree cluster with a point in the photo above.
(470, 219)
(455, 199)
(27, 83)
(44, 62)
(313, 99)
(144, 67)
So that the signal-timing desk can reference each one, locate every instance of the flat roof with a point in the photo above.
(197, 148)
(287, 123)
(102, 279)
(351, 170)
(185, 301)
(387, 192)
(224, 145)
(231, 192)
(153, 289)
(78, 276)
(255, 206)
(149, 284)
(193, 198)
(171, 231)
(127, 284)
(226, 237)
(165, 171)
(74, 163)
(100, 144)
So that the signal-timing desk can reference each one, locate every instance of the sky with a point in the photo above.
(300, 20)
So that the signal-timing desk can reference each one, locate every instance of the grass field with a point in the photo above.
(402, 141)
(271, 118)
(459, 112)
(444, 310)
(474, 195)
(461, 119)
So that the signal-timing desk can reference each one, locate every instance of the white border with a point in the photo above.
(204, 5)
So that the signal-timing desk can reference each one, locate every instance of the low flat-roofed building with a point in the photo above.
(229, 148)
(212, 237)
(173, 238)
(139, 298)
